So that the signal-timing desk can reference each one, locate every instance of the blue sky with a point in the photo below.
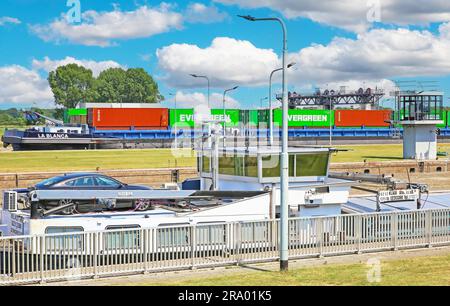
(207, 37)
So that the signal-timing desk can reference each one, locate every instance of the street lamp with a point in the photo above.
(224, 111)
(284, 176)
(270, 103)
(174, 95)
(203, 77)
(261, 101)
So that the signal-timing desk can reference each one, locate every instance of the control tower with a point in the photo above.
(419, 113)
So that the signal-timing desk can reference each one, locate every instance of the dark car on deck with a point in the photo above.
(87, 181)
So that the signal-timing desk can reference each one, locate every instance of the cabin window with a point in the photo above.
(271, 166)
(231, 165)
(173, 236)
(122, 237)
(206, 164)
(312, 164)
(226, 165)
(254, 232)
(210, 234)
(251, 166)
(69, 239)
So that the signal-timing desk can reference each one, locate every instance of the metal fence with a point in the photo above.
(77, 255)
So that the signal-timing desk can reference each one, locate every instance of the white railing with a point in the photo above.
(60, 257)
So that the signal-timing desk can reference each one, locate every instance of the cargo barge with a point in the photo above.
(119, 126)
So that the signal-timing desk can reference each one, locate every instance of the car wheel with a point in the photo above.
(69, 210)
(141, 205)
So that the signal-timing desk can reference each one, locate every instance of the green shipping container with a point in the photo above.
(232, 116)
(305, 118)
(182, 117)
(248, 118)
(77, 112)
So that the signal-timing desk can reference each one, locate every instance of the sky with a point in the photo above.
(352, 43)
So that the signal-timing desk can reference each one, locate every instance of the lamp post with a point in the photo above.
(284, 190)
(270, 103)
(203, 77)
(329, 119)
(174, 95)
(224, 111)
(261, 101)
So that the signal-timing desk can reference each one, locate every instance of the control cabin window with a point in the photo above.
(238, 165)
(300, 165)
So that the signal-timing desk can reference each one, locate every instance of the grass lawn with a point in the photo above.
(376, 152)
(41, 161)
(38, 161)
(407, 272)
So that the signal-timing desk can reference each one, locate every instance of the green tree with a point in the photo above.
(72, 84)
(135, 85)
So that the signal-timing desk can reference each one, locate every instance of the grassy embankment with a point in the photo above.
(419, 271)
(37, 161)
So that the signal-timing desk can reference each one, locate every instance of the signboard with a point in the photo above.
(398, 195)
(17, 225)
(305, 117)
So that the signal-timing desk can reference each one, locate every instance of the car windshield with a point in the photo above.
(50, 181)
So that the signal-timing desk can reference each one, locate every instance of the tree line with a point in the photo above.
(73, 84)
(16, 117)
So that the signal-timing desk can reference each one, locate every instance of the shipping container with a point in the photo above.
(77, 112)
(232, 116)
(182, 118)
(129, 118)
(305, 118)
(248, 118)
(362, 118)
(263, 118)
(78, 120)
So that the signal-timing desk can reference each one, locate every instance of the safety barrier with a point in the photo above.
(77, 255)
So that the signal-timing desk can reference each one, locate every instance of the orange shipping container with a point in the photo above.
(359, 118)
(129, 118)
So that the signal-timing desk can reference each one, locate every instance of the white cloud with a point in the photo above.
(377, 54)
(102, 28)
(228, 62)
(355, 15)
(50, 65)
(4, 20)
(21, 85)
(367, 61)
(194, 99)
(200, 13)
